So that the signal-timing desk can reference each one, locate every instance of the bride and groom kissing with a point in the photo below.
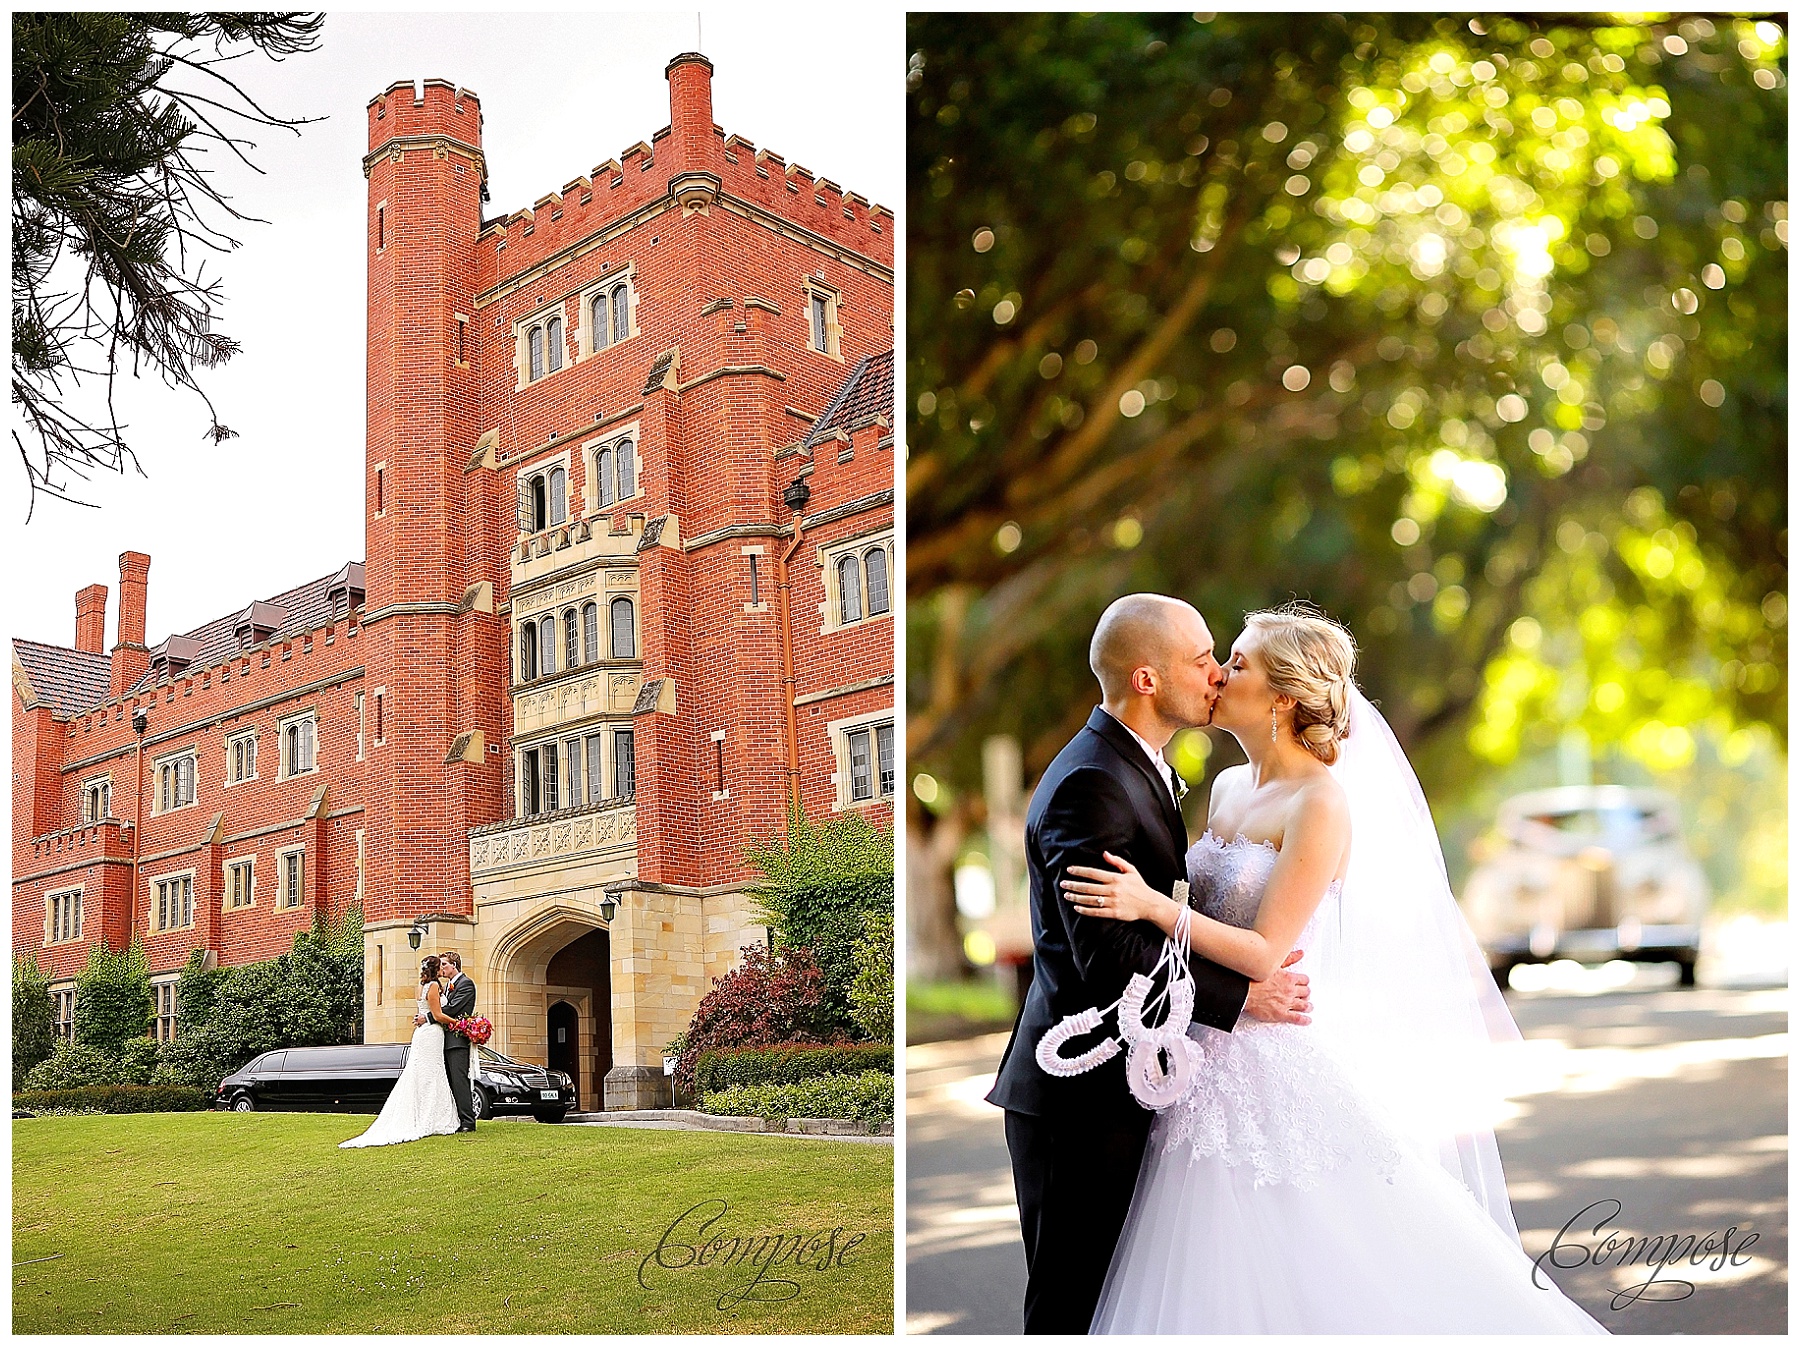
(435, 1094)
(1326, 1161)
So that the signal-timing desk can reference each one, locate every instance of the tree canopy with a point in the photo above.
(1472, 331)
(115, 211)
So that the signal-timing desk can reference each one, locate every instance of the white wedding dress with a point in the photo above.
(1278, 1197)
(420, 1104)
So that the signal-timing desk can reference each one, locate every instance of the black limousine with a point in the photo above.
(357, 1078)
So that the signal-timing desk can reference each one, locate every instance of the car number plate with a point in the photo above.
(549, 1094)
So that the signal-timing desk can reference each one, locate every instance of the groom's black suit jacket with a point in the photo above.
(1100, 794)
(458, 1003)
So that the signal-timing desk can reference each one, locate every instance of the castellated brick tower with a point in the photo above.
(434, 678)
(629, 567)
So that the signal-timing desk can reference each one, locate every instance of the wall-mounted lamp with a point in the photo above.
(609, 905)
(795, 494)
(416, 935)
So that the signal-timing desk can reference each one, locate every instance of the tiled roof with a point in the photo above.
(867, 392)
(71, 681)
(304, 607)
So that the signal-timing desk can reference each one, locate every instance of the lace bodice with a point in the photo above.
(1226, 880)
(1270, 1096)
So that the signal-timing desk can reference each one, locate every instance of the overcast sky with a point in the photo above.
(560, 93)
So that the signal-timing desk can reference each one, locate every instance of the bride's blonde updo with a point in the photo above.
(1310, 658)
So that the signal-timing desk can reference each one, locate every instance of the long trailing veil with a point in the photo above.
(1399, 984)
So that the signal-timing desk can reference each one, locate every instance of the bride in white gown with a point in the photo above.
(1339, 1177)
(420, 1104)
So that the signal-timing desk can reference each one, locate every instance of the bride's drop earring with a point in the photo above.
(1274, 727)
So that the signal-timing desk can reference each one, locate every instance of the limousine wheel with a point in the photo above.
(484, 1104)
(550, 1115)
(243, 1104)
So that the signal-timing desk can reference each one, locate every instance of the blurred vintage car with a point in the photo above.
(1590, 873)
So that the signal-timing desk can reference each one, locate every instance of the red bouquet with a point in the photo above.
(475, 1028)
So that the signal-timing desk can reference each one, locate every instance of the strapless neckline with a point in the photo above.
(1227, 878)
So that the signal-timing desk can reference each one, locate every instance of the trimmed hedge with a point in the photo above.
(115, 1099)
(788, 1064)
(867, 1097)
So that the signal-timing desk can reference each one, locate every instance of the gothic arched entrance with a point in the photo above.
(580, 975)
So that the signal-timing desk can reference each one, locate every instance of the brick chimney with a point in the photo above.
(690, 110)
(130, 656)
(90, 619)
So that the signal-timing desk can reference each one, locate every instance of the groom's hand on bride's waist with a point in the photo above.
(1285, 998)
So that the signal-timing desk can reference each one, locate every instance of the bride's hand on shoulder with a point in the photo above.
(1119, 894)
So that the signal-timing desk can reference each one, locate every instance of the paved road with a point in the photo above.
(1672, 1103)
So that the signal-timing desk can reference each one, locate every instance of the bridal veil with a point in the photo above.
(1399, 984)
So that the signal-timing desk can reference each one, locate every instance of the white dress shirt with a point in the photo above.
(1156, 759)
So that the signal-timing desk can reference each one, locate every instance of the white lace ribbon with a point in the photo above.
(1162, 1063)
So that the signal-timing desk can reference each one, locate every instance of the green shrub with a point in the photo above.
(872, 989)
(34, 1018)
(114, 1099)
(72, 1066)
(866, 1097)
(788, 1064)
(138, 1061)
(197, 991)
(770, 997)
(820, 884)
(308, 997)
(112, 997)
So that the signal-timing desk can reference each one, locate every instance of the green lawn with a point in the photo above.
(257, 1223)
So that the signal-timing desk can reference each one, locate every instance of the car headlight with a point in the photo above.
(565, 1079)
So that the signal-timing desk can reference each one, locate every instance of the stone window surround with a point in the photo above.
(558, 737)
(231, 740)
(77, 891)
(522, 330)
(158, 985)
(281, 858)
(718, 763)
(839, 732)
(812, 286)
(281, 728)
(150, 914)
(382, 711)
(760, 584)
(105, 780)
(590, 459)
(543, 468)
(59, 990)
(156, 766)
(239, 863)
(584, 327)
(378, 473)
(829, 554)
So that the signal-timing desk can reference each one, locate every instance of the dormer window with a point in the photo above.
(258, 623)
(173, 656)
(346, 590)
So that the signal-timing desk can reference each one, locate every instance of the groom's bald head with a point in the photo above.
(1136, 631)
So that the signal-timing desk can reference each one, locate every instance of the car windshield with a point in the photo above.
(1617, 824)
(491, 1058)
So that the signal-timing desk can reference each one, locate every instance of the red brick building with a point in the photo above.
(629, 582)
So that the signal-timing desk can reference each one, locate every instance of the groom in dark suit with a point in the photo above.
(1076, 1142)
(458, 1003)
